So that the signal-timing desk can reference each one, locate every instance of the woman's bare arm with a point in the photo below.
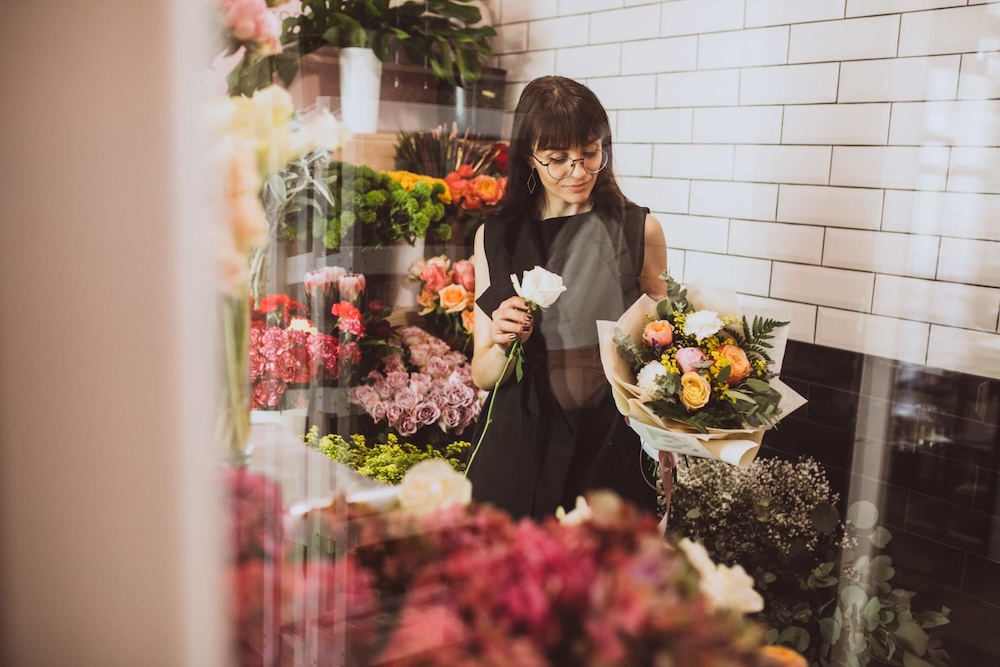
(654, 261)
(494, 333)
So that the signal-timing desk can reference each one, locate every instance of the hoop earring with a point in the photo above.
(532, 183)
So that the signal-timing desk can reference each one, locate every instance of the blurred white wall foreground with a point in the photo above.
(107, 553)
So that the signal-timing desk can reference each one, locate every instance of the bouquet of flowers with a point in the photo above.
(696, 375)
(431, 579)
(286, 349)
(448, 298)
(358, 324)
(432, 386)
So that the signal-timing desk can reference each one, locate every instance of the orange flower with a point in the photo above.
(429, 300)
(738, 361)
(782, 656)
(454, 298)
(468, 319)
(486, 188)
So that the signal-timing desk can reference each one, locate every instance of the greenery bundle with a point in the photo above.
(384, 461)
(339, 202)
(827, 589)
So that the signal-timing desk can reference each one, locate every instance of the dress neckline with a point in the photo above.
(564, 217)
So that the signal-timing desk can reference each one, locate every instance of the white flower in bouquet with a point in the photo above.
(702, 324)
(647, 379)
(539, 286)
(579, 514)
(433, 485)
(728, 588)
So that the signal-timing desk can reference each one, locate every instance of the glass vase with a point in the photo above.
(233, 420)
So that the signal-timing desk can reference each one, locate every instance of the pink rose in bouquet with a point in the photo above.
(687, 357)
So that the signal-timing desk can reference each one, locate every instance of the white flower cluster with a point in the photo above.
(768, 506)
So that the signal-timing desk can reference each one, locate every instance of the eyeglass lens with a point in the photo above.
(561, 167)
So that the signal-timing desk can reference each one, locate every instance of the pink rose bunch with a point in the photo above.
(448, 297)
(253, 25)
(439, 390)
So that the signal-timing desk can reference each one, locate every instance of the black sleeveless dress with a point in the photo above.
(557, 434)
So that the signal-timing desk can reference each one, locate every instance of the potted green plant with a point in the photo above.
(439, 34)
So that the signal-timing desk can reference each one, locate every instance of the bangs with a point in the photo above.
(566, 125)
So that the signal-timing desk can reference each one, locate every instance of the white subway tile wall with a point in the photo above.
(835, 159)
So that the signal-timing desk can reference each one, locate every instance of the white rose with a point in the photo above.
(702, 324)
(539, 286)
(433, 485)
(579, 514)
(725, 587)
(646, 380)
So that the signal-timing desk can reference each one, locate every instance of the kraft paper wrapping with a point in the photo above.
(738, 447)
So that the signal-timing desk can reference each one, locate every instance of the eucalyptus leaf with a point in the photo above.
(912, 637)
(863, 514)
(829, 630)
(880, 537)
(853, 596)
(871, 614)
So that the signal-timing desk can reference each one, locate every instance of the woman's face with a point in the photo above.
(575, 188)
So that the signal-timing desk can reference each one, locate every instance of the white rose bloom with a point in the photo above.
(702, 324)
(539, 286)
(646, 380)
(579, 514)
(725, 587)
(433, 485)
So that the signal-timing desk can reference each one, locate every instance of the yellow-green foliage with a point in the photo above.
(384, 461)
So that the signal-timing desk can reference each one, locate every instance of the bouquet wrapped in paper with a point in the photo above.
(696, 374)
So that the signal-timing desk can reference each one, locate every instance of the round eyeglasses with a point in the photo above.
(562, 167)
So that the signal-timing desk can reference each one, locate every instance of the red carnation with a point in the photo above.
(347, 310)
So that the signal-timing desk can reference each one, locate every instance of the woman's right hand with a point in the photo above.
(511, 320)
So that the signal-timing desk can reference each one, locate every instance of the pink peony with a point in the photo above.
(377, 412)
(465, 274)
(687, 357)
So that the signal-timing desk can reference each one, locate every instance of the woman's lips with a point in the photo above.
(578, 188)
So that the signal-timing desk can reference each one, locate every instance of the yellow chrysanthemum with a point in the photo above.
(407, 180)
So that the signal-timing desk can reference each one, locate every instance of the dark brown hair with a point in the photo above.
(557, 113)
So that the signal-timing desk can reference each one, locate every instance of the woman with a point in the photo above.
(557, 434)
